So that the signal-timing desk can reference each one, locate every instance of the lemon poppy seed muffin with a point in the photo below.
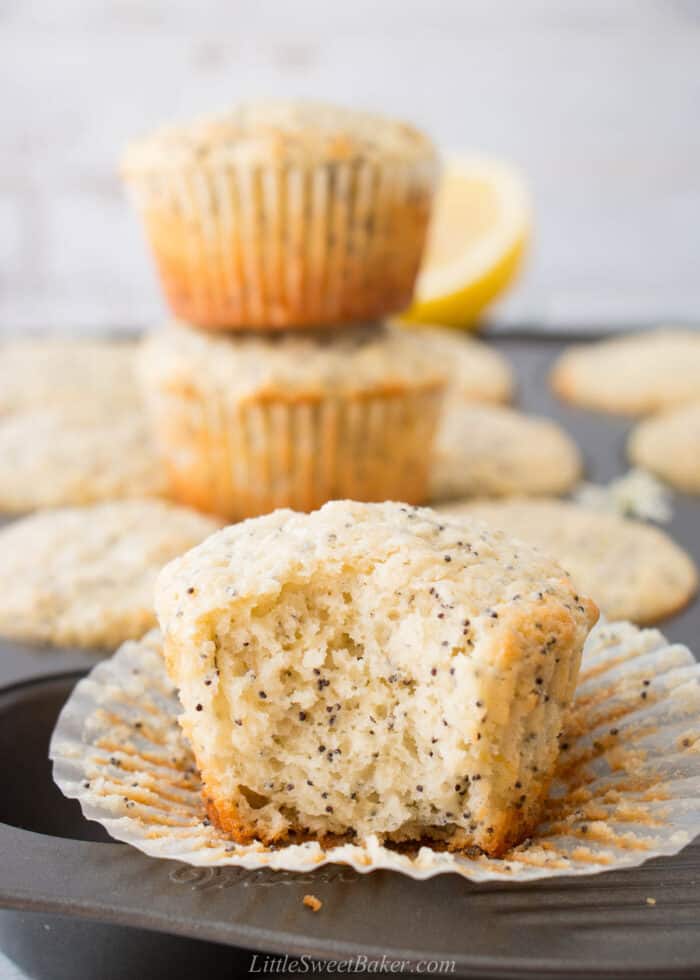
(633, 570)
(668, 444)
(494, 451)
(372, 669)
(51, 372)
(246, 423)
(84, 576)
(633, 374)
(76, 454)
(285, 214)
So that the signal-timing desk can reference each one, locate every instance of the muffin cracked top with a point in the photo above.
(285, 132)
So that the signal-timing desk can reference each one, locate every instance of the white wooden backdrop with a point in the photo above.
(598, 101)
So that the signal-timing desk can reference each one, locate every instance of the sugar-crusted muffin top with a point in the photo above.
(475, 568)
(379, 358)
(85, 575)
(279, 133)
(76, 453)
(669, 445)
(632, 374)
(491, 450)
(37, 372)
(633, 570)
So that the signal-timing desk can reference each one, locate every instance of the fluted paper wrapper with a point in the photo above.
(240, 460)
(278, 247)
(627, 786)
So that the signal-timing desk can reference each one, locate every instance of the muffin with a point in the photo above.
(494, 451)
(51, 372)
(84, 576)
(285, 214)
(631, 374)
(76, 454)
(668, 444)
(372, 670)
(247, 423)
(633, 570)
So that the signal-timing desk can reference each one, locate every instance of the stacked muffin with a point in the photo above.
(283, 233)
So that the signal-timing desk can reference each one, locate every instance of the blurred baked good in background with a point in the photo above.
(632, 374)
(247, 422)
(493, 451)
(669, 445)
(632, 570)
(285, 214)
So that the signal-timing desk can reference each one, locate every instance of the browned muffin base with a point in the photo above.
(494, 839)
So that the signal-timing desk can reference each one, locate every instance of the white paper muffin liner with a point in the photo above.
(627, 786)
(270, 247)
(240, 459)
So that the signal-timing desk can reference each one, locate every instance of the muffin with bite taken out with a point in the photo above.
(372, 670)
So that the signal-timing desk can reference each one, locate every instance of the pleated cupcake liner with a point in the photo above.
(627, 786)
(240, 459)
(274, 247)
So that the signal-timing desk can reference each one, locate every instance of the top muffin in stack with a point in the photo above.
(285, 215)
(305, 219)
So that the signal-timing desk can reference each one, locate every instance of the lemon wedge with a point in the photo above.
(479, 233)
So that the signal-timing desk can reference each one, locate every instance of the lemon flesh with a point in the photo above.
(479, 233)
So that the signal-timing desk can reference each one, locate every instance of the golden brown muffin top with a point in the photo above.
(279, 133)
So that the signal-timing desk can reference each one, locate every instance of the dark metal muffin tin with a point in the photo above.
(78, 905)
